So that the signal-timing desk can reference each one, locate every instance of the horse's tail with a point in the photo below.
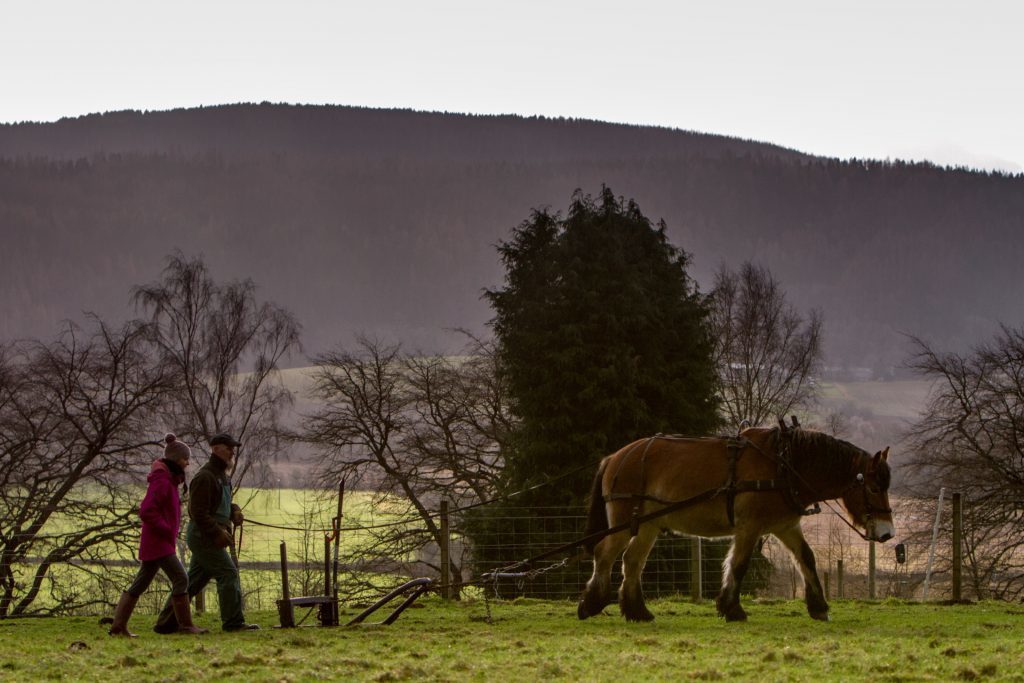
(597, 517)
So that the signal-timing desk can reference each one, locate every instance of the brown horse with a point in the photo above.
(759, 483)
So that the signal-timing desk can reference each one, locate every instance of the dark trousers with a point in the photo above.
(209, 563)
(171, 566)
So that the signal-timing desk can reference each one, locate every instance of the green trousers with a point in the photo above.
(209, 563)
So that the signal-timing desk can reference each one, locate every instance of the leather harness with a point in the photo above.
(735, 447)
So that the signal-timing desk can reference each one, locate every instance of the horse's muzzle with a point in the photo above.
(882, 531)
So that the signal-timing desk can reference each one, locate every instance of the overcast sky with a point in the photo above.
(872, 79)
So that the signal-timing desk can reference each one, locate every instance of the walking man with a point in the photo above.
(212, 516)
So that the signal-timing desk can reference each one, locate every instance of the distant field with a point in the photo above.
(532, 640)
(903, 399)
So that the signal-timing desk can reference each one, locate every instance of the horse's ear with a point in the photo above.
(881, 456)
(885, 454)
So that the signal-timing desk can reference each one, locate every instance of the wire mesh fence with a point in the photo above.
(302, 519)
(843, 561)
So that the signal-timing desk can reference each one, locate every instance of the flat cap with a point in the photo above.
(225, 439)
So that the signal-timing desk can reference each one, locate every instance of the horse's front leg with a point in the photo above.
(814, 596)
(733, 570)
(598, 593)
(631, 594)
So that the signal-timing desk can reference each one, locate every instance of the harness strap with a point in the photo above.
(636, 496)
(734, 449)
(634, 521)
(622, 461)
(760, 485)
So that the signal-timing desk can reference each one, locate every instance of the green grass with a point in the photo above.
(535, 640)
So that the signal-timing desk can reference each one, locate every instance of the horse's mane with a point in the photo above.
(819, 454)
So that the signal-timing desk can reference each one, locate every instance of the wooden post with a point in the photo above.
(958, 529)
(839, 579)
(327, 564)
(285, 590)
(828, 591)
(285, 611)
(445, 550)
(871, 570)
(337, 537)
(696, 573)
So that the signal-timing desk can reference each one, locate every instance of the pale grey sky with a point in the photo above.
(872, 79)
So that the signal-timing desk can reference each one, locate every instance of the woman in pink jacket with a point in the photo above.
(161, 518)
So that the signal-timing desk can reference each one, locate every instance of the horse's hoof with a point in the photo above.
(646, 616)
(735, 615)
(821, 616)
(636, 613)
(721, 606)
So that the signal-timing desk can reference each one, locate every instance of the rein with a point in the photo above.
(735, 446)
(859, 480)
(784, 483)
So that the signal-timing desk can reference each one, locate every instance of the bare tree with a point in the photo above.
(224, 349)
(418, 429)
(73, 416)
(766, 352)
(971, 439)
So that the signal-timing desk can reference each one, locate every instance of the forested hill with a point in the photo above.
(386, 221)
(351, 133)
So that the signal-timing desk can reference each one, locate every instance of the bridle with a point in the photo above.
(860, 481)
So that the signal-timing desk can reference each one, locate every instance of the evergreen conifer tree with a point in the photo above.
(604, 339)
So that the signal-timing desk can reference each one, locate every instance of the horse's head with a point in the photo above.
(867, 498)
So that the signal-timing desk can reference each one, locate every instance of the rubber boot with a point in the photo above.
(183, 614)
(123, 612)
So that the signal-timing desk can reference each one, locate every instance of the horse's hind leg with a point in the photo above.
(733, 570)
(598, 593)
(814, 596)
(631, 594)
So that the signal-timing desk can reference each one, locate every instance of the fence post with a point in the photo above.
(871, 570)
(286, 611)
(839, 578)
(828, 592)
(696, 575)
(327, 565)
(445, 550)
(958, 527)
(935, 536)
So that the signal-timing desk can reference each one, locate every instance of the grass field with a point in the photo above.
(534, 640)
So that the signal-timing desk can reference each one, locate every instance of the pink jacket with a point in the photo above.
(161, 513)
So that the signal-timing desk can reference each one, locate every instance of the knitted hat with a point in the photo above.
(176, 450)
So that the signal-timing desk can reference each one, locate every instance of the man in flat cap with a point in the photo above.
(212, 519)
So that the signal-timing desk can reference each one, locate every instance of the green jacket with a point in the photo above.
(209, 505)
